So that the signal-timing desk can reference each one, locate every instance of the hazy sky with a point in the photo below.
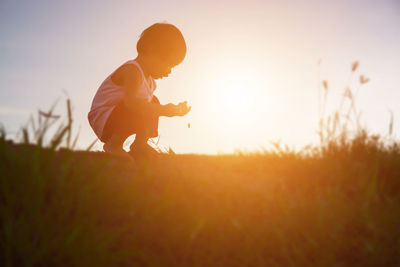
(250, 73)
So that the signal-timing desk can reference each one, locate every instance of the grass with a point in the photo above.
(337, 204)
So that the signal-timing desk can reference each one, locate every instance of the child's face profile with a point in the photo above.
(159, 67)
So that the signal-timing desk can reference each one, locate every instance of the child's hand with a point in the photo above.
(183, 109)
(172, 110)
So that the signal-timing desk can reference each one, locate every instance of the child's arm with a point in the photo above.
(131, 80)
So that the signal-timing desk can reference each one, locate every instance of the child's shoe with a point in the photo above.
(143, 151)
(118, 152)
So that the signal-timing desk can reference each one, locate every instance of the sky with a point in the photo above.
(250, 74)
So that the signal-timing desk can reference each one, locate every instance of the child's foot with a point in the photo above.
(143, 150)
(119, 152)
(109, 148)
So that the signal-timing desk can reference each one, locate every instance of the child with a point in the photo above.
(124, 103)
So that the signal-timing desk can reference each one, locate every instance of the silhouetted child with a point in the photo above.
(124, 104)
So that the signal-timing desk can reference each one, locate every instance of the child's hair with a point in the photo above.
(164, 40)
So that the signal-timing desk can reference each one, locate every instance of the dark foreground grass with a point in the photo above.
(338, 207)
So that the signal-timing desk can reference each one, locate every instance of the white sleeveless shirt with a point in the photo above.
(109, 95)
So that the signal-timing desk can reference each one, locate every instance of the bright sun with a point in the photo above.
(234, 98)
(235, 95)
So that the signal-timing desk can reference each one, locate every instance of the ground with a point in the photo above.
(80, 208)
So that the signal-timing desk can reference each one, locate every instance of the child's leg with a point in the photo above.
(149, 127)
(123, 123)
(114, 144)
(140, 147)
(141, 138)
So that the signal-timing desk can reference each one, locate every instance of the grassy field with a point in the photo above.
(337, 207)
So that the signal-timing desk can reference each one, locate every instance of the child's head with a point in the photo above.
(163, 47)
